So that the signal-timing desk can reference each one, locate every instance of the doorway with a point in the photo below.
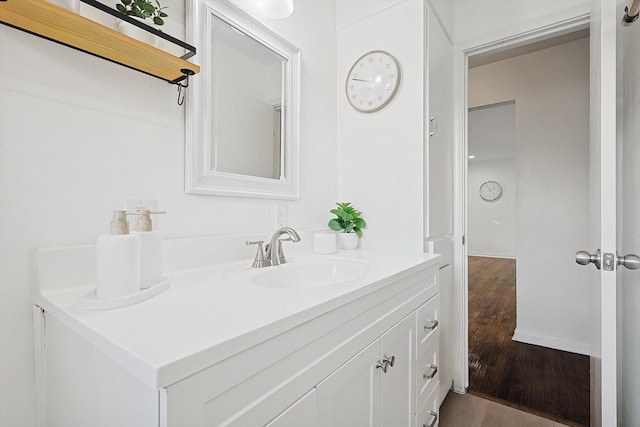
(527, 345)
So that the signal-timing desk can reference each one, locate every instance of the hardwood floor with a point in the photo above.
(543, 381)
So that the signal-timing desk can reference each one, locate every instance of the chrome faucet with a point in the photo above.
(272, 254)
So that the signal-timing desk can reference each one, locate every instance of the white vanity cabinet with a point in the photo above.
(373, 388)
(323, 366)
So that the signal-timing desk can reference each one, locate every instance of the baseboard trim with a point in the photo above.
(491, 255)
(552, 342)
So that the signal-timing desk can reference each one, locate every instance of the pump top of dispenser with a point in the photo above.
(119, 224)
(144, 222)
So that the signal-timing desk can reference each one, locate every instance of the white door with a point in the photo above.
(628, 280)
(350, 397)
(396, 397)
(604, 24)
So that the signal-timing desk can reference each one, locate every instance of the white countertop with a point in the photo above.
(205, 316)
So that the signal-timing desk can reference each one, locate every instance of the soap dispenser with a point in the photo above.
(117, 260)
(150, 250)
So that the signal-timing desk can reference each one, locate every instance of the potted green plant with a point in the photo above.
(141, 10)
(349, 223)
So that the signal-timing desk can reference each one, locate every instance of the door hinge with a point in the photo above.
(464, 239)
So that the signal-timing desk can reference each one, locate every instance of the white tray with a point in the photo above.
(90, 301)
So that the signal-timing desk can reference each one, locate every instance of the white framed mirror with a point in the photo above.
(242, 110)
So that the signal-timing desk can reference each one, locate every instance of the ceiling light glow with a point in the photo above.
(276, 8)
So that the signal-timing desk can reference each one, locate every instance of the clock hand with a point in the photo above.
(361, 80)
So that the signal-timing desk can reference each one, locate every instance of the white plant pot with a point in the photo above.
(348, 240)
(72, 5)
(137, 33)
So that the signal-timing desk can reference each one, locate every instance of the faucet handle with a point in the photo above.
(259, 260)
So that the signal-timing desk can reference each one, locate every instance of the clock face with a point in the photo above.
(490, 191)
(372, 81)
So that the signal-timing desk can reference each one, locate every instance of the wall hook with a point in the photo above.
(181, 87)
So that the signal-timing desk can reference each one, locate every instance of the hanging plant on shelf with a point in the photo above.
(143, 9)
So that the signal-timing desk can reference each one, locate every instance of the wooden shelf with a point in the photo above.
(54, 23)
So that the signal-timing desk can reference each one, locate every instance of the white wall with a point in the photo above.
(491, 228)
(380, 155)
(551, 91)
(79, 134)
(629, 319)
(492, 225)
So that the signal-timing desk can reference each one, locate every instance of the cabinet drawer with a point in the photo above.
(427, 326)
(427, 374)
(428, 415)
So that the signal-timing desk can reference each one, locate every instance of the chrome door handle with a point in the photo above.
(386, 362)
(432, 326)
(390, 361)
(433, 421)
(382, 365)
(434, 371)
(631, 261)
(584, 258)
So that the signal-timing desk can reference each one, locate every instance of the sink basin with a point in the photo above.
(311, 273)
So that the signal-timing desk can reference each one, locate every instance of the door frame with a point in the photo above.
(460, 213)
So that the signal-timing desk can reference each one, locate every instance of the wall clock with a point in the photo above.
(373, 81)
(490, 191)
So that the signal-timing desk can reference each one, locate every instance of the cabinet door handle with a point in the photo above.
(434, 371)
(433, 324)
(391, 361)
(382, 365)
(433, 421)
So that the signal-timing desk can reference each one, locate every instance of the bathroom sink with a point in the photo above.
(311, 273)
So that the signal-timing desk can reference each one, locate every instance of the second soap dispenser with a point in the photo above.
(150, 250)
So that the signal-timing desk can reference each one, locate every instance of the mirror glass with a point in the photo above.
(242, 114)
(247, 78)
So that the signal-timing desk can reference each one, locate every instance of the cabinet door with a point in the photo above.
(439, 150)
(350, 396)
(302, 413)
(396, 397)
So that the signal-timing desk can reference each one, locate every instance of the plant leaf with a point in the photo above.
(358, 232)
(349, 227)
(335, 225)
(121, 8)
(360, 223)
(157, 20)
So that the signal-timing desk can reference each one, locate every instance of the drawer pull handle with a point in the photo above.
(433, 421)
(434, 371)
(432, 326)
(391, 361)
